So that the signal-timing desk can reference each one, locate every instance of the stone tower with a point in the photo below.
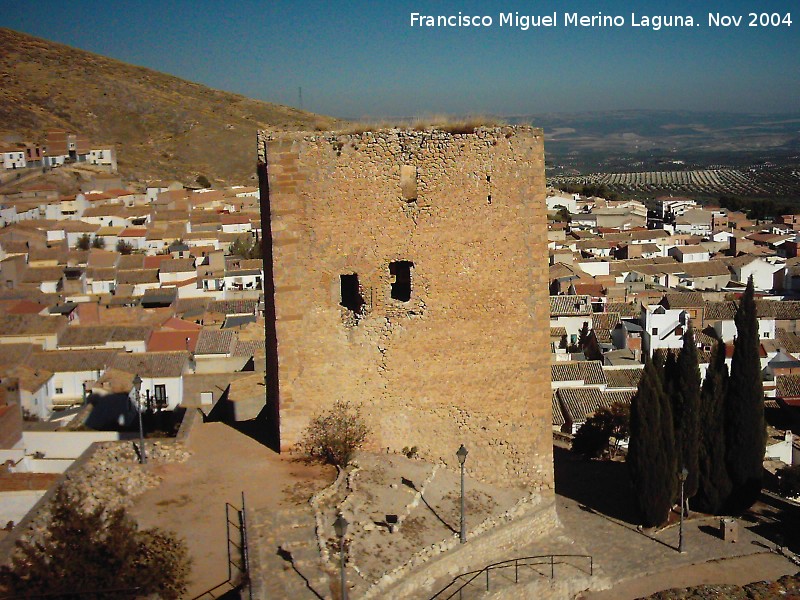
(406, 271)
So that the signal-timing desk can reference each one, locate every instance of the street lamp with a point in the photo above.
(462, 458)
(684, 473)
(340, 526)
(137, 385)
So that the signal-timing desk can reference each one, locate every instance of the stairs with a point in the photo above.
(285, 559)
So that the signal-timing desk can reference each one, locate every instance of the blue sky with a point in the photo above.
(357, 59)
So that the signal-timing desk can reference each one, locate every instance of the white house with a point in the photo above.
(662, 327)
(106, 156)
(766, 275)
(72, 371)
(571, 313)
(13, 158)
(568, 201)
(161, 374)
(689, 254)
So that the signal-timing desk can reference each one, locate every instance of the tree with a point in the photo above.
(124, 247)
(714, 485)
(334, 436)
(246, 247)
(594, 436)
(745, 431)
(203, 181)
(789, 481)
(99, 243)
(96, 554)
(84, 242)
(685, 395)
(651, 451)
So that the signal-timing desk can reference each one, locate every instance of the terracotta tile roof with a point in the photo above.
(233, 307)
(580, 403)
(97, 274)
(131, 261)
(780, 310)
(137, 276)
(178, 265)
(590, 372)
(156, 261)
(14, 354)
(558, 332)
(20, 325)
(249, 348)
(216, 341)
(683, 300)
(606, 320)
(72, 361)
(98, 335)
(24, 307)
(788, 340)
(720, 311)
(42, 274)
(152, 364)
(558, 414)
(711, 268)
(624, 309)
(787, 386)
(165, 340)
(30, 379)
(177, 324)
(102, 259)
(623, 378)
(562, 306)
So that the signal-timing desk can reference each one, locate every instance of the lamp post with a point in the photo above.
(137, 385)
(462, 458)
(684, 473)
(340, 526)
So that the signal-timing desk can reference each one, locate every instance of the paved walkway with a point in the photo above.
(224, 463)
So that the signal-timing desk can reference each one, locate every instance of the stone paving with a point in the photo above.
(297, 552)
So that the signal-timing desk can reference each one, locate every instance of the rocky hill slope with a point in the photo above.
(162, 126)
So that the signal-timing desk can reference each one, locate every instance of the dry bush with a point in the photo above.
(335, 435)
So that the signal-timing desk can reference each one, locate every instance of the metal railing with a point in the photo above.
(466, 579)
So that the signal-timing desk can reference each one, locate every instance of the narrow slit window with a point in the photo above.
(351, 294)
(401, 286)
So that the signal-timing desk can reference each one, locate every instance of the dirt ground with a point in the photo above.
(224, 463)
(738, 571)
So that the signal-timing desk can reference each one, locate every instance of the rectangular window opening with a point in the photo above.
(351, 296)
(401, 286)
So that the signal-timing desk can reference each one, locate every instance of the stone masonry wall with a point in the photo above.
(465, 358)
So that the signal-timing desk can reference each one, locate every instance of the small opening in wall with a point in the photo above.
(401, 286)
(351, 294)
(489, 199)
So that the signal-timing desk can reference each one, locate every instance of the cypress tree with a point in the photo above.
(685, 394)
(651, 455)
(745, 432)
(714, 484)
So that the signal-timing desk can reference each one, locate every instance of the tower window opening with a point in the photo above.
(352, 299)
(401, 286)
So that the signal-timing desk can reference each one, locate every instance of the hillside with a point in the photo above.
(162, 126)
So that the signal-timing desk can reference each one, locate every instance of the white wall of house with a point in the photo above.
(595, 267)
(573, 325)
(68, 385)
(38, 402)
(14, 160)
(173, 386)
(64, 444)
(763, 273)
(660, 327)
